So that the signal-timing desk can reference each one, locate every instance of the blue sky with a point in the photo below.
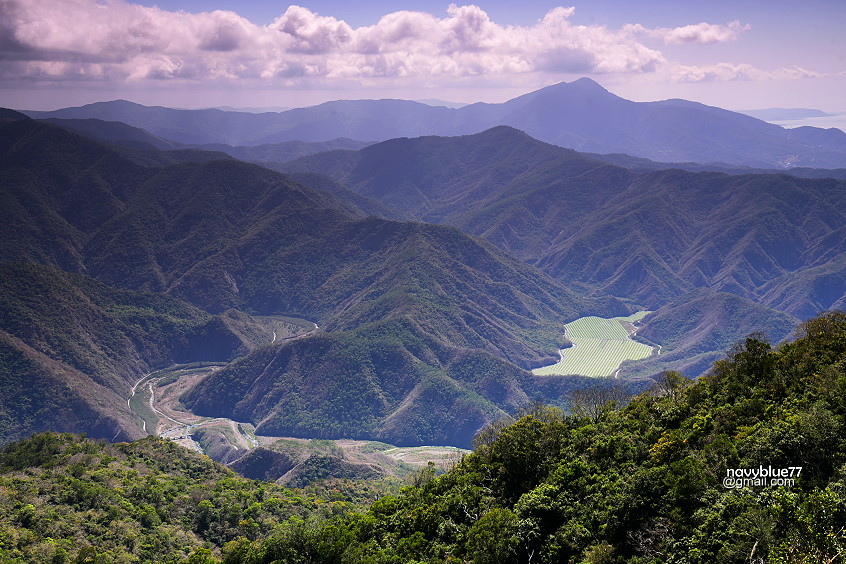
(742, 54)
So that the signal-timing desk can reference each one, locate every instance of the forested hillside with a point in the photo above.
(427, 324)
(233, 240)
(696, 329)
(71, 348)
(718, 256)
(641, 483)
(650, 236)
(70, 499)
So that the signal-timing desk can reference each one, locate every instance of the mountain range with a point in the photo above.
(118, 133)
(579, 115)
(437, 270)
(651, 237)
(276, 155)
(400, 291)
(403, 298)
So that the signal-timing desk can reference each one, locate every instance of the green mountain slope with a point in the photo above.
(645, 483)
(651, 236)
(698, 328)
(388, 381)
(226, 234)
(73, 347)
(278, 248)
(68, 499)
(743, 234)
(449, 179)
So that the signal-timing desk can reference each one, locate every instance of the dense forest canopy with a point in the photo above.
(639, 484)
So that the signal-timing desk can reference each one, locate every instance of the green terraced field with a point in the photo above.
(599, 346)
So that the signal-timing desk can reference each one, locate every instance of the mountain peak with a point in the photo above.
(502, 130)
(120, 103)
(586, 83)
(583, 89)
(583, 85)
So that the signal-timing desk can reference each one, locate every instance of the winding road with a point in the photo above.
(181, 430)
(181, 371)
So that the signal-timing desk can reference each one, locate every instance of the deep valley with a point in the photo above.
(365, 322)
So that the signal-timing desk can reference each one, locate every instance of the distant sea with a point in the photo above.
(836, 120)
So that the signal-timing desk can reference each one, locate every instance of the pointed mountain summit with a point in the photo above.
(585, 88)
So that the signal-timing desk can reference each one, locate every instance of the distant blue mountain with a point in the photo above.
(580, 115)
(119, 133)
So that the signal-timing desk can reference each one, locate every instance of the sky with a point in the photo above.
(738, 54)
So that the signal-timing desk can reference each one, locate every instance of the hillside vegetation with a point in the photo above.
(69, 499)
(658, 238)
(697, 328)
(637, 483)
(388, 381)
(648, 236)
(427, 332)
(234, 239)
(641, 484)
(71, 347)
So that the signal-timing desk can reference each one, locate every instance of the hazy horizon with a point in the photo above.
(209, 53)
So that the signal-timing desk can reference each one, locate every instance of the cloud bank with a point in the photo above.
(702, 33)
(107, 40)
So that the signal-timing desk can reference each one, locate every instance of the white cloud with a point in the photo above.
(723, 72)
(108, 40)
(702, 33)
(301, 31)
(115, 39)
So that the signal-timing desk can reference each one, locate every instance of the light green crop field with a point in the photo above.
(599, 346)
(633, 317)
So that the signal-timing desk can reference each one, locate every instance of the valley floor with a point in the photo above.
(155, 400)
